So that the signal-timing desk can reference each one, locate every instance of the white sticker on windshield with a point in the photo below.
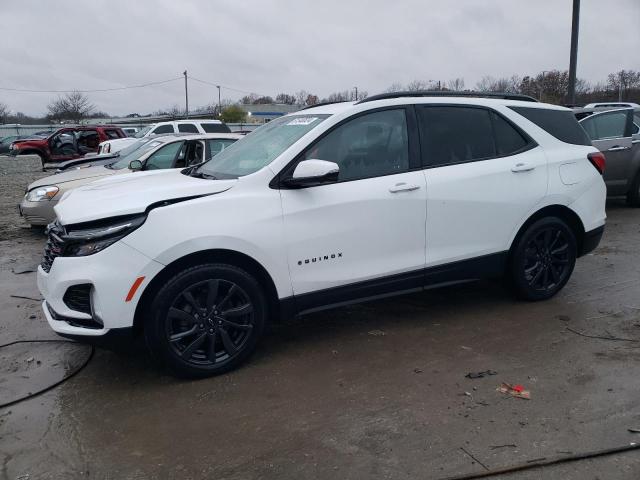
(302, 121)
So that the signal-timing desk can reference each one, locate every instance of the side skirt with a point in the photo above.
(487, 266)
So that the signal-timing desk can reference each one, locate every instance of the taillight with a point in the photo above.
(598, 160)
(107, 148)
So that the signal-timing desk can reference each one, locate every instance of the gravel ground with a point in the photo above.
(370, 391)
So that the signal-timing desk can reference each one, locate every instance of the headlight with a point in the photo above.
(41, 194)
(86, 239)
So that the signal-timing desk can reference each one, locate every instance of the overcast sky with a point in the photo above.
(272, 46)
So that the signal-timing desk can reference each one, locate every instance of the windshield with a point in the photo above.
(142, 147)
(143, 132)
(261, 147)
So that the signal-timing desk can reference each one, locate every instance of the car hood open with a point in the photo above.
(129, 194)
(72, 175)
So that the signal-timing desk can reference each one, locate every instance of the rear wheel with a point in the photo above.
(543, 259)
(206, 320)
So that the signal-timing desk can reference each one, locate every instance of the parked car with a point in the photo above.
(334, 204)
(130, 131)
(6, 142)
(178, 126)
(616, 133)
(37, 206)
(65, 143)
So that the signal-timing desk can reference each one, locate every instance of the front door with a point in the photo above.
(611, 133)
(343, 238)
(63, 145)
(484, 177)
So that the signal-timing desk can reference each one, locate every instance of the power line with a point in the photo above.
(213, 84)
(142, 85)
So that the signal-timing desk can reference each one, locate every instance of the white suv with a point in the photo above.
(163, 128)
(338, 203)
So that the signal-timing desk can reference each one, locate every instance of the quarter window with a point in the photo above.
(508, 140)
(452, 135)
(370, 145)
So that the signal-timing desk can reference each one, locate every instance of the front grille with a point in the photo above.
(53, 248)
(78, 298)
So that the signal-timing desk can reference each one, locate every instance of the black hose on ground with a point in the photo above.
(54, 385)
(544, 462)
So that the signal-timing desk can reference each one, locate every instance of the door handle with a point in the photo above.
(522, 167)
(617, 148)
(403, 187)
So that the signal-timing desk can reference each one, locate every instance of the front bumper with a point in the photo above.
(111, 274)
(38, 213)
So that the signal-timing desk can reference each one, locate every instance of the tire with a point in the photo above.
(206, 320)
(542, 259)
(633, 197)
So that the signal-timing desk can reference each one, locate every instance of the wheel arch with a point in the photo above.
(230, 257)
(561, 211)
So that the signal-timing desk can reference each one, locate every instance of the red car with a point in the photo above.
(66, 143)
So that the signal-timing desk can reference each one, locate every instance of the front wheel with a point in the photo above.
(543, 259)
(206, 320)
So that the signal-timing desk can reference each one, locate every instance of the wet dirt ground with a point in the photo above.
(370, 391)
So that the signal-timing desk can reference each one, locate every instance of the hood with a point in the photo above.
(71, 175)
(129, 194)
(121, 142)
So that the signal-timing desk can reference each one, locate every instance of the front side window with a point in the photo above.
(163, 129)
(370, 145)
(187, 128)
(164, 157)
(451, 135)
(112, 134)
(260, 148)
(606, 125)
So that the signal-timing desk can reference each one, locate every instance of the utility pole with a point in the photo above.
(219, 107)
(186, 95)
(356, 93)
(573, 57)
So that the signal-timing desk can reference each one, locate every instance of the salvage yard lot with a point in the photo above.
(370, 391)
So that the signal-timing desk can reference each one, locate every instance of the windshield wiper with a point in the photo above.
(196, 174)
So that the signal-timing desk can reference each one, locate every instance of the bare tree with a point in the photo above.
(417, 85)
(286, 99)
(312, 100)
(73, 106)
(503, 84)
(4, 112)
(301, 97)
(394, 87)
(456, 84)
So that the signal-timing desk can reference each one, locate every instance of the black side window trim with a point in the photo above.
(412, 139)
(531, 143)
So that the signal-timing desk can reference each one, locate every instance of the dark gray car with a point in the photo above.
(616, 133)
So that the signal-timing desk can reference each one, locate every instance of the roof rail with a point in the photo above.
(322, 104)
(448, 93)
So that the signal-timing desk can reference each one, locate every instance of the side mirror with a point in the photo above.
(135, 165)
(310, 173)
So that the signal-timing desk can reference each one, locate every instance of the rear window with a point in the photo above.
(559, 123)
(215, 128)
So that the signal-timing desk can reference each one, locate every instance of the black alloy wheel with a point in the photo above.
(209, 322)
(543, 259)
(206, 320)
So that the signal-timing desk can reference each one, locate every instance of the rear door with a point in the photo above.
(611, 133)
(484, 176)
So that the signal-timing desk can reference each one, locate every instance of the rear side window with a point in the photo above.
(452, 135)
(215, 128)
(163, 129)
(606, 125)
(187, 128)
(559, 123)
